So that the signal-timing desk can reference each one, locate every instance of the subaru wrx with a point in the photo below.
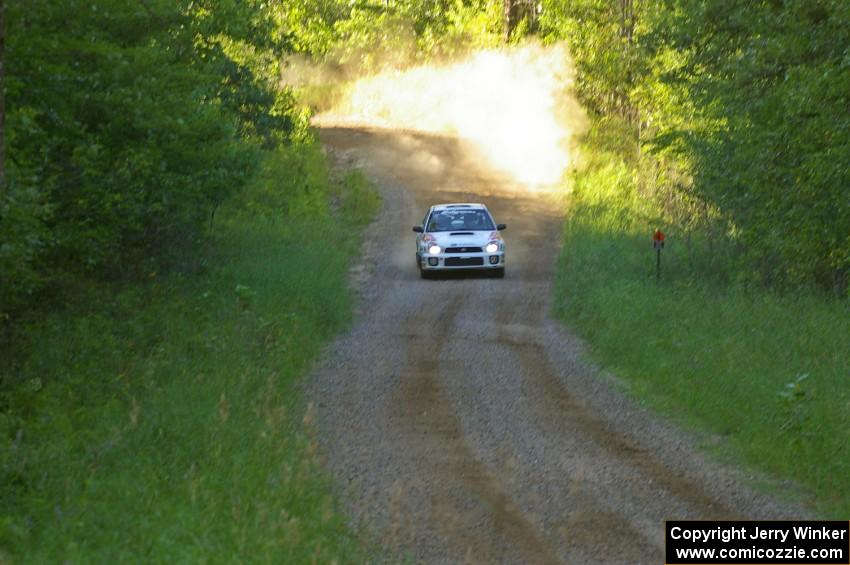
(459, 236)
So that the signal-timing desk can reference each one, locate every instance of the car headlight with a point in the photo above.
(492, 247)
(434, 249)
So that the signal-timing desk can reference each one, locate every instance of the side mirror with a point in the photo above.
(417, 229)
(501, 227)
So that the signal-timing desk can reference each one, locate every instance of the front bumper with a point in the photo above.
(461, 261)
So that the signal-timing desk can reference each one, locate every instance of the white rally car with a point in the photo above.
(459, 236)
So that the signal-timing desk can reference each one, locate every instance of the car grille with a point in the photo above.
(463, 250)
(463, 261)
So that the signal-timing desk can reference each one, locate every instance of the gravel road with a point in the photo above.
(461, 423)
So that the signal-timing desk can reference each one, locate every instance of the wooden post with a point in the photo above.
(657, 265)
(658, 245)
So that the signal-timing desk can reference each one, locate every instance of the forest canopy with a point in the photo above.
(741, 108)
(128, 123)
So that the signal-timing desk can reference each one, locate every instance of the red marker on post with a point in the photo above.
(658, 245)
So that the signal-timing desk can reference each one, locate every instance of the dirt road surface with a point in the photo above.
(461, 423)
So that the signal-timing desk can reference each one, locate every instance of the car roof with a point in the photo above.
(459, 205)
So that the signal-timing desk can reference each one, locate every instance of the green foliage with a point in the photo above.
(739, 109)
(162, 421)
(127, 125)
(762, 376)
(174, 253)
(24, 237)
(130, 123)
(601, 39)
(773, 81)
(370, 35)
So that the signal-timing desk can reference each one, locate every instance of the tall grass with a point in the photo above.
(159, 421)
(766, 376)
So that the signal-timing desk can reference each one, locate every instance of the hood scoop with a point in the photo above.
(461, 233)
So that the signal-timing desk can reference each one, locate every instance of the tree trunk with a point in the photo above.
(627, 20)
(2, 97)
(517, 10)
(626, 32)
(508, 19)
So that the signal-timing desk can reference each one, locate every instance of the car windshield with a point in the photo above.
(460, 220)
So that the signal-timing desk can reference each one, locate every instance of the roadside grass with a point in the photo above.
(159, 421)
(765, 377)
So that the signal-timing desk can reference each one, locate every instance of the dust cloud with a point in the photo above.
(514, 104)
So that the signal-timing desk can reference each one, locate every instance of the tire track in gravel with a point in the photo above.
(460, 421)
(558, 410)
(556, 405)
(438, 441)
